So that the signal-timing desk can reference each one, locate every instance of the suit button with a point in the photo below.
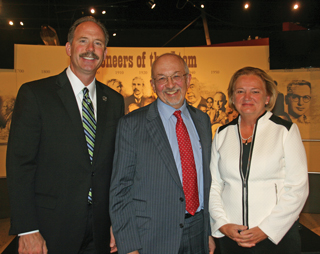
(181, 199)
(181, 225)
(92, 174)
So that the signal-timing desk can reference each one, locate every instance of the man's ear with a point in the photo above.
(105, 54)
(188, 80)
(153, 85)
(68, 49)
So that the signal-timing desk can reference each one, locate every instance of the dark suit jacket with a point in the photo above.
(131, 99)
(48, 166)
(202, 102)
(147, 205)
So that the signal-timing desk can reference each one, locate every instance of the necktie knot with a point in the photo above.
(177, 114)
(86, 94)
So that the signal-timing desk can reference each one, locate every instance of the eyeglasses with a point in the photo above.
(176, 78)
(296, 98)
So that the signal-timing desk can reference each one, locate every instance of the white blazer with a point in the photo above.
(277, 184)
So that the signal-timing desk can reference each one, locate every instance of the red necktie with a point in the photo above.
(189, 173)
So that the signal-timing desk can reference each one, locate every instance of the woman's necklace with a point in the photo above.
(245, 139)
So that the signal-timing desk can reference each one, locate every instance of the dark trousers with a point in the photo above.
(192, 241)
(290, 244)
(87, 246)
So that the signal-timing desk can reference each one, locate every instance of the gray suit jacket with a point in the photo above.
(147, 204)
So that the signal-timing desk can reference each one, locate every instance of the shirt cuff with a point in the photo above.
(27, 233)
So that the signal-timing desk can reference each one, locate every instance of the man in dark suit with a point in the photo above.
(152, 207)
(298, 99)
(219, 102)
(194, 97)
(59, 192)
(137, 99)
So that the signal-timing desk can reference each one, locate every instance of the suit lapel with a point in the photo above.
(198, 123)
(102, 117)
(205, 141)
(68, 99)
(158, 135)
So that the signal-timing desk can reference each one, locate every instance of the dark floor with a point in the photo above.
(310, 243)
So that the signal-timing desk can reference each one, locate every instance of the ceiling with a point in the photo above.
(172, 23)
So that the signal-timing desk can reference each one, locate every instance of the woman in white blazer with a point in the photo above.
(259, 172)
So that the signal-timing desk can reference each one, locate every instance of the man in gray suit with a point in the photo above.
(149, 200)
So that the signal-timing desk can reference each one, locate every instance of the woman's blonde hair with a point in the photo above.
(271, 87)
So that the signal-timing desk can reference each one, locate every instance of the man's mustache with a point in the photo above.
(90, 55)
(136, 90)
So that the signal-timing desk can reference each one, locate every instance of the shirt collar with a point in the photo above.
(167, 111)
(78, 86)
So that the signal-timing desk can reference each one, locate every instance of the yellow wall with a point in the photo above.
(212, 66)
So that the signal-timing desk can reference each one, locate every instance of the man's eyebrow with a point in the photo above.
(170, 75)
(86, 37)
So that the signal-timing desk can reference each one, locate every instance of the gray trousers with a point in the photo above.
(192, 241)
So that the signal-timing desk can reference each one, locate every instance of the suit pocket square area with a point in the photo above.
(46, 201)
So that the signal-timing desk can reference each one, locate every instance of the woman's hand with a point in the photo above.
(232, 230)
(256, 235)
(244, 237)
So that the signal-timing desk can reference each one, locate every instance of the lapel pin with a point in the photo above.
(104, 98)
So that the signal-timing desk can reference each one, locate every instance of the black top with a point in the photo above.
(245, 157)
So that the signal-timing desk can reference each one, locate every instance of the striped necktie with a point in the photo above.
(89, 127)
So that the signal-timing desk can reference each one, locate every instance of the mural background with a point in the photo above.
(210, 67)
